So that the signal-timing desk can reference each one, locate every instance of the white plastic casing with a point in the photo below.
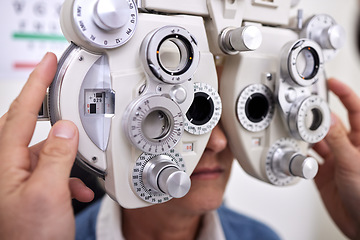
(258, 67)
(127, 76)
(238, 13)
(220, 14)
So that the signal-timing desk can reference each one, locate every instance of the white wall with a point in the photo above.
(296, 212)
(19, 18)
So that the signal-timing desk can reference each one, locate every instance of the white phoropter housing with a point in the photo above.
(237, 26)
(141, 87)
(127, 81)
(273, 85)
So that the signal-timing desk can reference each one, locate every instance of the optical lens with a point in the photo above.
(256, 107)
(314, 119)
(156, 125)
(174, 55)
(307, 63)
(201, 110)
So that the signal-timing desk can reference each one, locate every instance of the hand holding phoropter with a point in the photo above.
(35, 192)
(338, 179)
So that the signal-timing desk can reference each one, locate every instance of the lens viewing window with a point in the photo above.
(156, 125)
(175, 55)
(201, 110)
(307, 63)
(314, 119)
(256, 107)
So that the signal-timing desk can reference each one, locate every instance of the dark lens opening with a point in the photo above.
(201, 110)
(316, 120)
(256, 107)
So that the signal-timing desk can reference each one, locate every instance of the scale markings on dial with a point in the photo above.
(168, 124)
(206, 101)
(83, 14)
(139, 187)
(255, 107)
(274, 178)
(320, 124)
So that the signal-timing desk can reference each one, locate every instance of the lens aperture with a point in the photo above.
(256, 107)
(201, 110)
(156, 125)
(307, 63)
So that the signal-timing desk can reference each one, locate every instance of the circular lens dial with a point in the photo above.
(255, 107)
(307, 63)
(309, 119)
(205, 111)
(154, 124)
(170, 54)
(303, 62)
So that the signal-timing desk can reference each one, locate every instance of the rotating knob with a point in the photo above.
(292, 163)
(248, 38)
(324, 30)
(332, 37)
(100, 24)
(162, 175)
(305, 167)
(111, 14)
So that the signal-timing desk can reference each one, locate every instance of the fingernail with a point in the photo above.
(63, 130)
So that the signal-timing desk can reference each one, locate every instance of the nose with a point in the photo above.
(217, 141)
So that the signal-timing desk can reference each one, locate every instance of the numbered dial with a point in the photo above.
(255, 107)
(158, 178)
(309, 119)
(154, 124)
(326, 32)
(105, 23)
(272, 164)
(205, 111)
(170, 54)
(303, 60)
(284, 161)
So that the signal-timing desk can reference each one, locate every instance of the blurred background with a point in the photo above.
(30, 28)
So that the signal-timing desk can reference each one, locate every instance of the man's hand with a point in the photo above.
(35, 190)
(338, 179)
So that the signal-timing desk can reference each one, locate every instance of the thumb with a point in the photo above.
(343, 150)
(57, 155)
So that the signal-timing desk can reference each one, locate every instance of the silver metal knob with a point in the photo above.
(305, 167)
(324, 30)
(178, 94)
(111, 14)
(292, 163)
(174, 182)
(332, 37)
(247, 38)
(162, 175)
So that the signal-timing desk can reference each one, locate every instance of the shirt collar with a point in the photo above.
(108, 223)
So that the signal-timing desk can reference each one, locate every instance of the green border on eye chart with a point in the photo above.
(40, 37)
